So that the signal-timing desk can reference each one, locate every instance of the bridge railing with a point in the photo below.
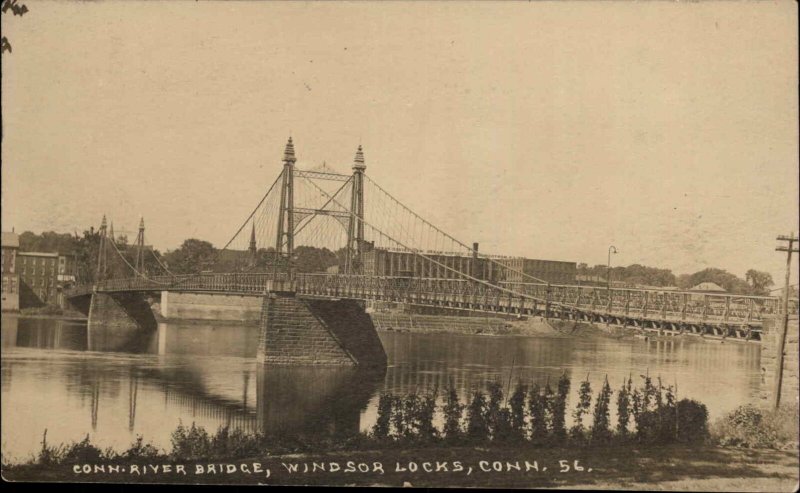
(507, 297)
(674, 304)
(239, 282)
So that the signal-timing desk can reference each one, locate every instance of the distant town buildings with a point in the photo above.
(396, 262)
(10, 293)
(34, 278)
(38, 272)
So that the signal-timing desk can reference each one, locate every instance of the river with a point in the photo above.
(59, 377)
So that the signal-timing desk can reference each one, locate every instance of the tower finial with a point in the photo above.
(358, 162)
(103, 222)
(288, 153)
(141, 222)
(111, 231)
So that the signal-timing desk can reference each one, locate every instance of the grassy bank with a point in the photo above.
(483, 441)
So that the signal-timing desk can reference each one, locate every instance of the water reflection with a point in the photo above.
(56, 375)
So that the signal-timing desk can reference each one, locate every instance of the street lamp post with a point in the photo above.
(611, 249)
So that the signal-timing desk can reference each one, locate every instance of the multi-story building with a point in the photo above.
(38, 272)
(383, 262)
(10, 293)
(553, 271)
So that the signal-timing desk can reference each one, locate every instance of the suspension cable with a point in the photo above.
(452, 238)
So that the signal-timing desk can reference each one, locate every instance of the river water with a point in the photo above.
(58, 376)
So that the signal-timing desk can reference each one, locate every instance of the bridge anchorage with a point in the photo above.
(314, 252)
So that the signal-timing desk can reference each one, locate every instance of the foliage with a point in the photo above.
(537, 405)
(192, 256)
(141, 450)
(517, 411)
(477, 427)
(759, 282)
(751, 427)
(558, 408)
(729, 282)
(623, 407)
(453, 412)
(381, 428)
(632, 274)
(692, 421)
(190, 443)
(409, 420)
(601, 431)
(581, 409)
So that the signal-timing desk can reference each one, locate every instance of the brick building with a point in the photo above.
(383, 262)
(10, 287)
(38, 273)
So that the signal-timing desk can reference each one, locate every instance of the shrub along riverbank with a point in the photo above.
(530, 420)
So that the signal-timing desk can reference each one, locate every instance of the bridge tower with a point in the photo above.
(102, 253)
(355, 230)
(284, 243)
(140, 248)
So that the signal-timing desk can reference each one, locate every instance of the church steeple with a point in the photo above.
(252, 247)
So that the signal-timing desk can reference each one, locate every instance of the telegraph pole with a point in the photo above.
(792, 241)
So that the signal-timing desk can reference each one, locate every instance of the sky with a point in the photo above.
(548, 130)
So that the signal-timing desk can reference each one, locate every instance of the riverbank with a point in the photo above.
(665, 468)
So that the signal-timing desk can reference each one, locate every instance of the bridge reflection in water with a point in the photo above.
(126, 384)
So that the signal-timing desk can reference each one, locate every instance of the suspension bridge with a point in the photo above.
(378, 250)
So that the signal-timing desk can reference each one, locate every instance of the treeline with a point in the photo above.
(755, 282)
(195, 255)
(646, 414)
(198, 255)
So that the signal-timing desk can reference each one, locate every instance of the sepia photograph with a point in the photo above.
(423, 244)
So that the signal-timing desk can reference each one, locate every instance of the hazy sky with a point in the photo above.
(550, 130)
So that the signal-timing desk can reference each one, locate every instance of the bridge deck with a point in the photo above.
(647, 308)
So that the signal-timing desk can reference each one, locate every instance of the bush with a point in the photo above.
(558, 408)
(581, 409)
(453, 412)
(537, 405)
(601, 431)
(517, 417)
(381, 428)
(623, 408)
(191, 443)
(140, 450)
(751, 427)
(477, 427)
(692, 419)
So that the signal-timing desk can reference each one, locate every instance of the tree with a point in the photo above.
(759, 281)
(729, 282)
(191, 257)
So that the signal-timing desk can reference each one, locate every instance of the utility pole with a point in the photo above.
(791, 248)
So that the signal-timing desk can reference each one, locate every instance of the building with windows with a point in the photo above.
(38, 274)
(383, 262)
(552, 271)
(10, 293)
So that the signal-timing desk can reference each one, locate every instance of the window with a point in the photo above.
(13, 285)
(5, 284)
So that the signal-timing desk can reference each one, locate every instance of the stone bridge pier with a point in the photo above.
(293, 330)
(298, 331)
